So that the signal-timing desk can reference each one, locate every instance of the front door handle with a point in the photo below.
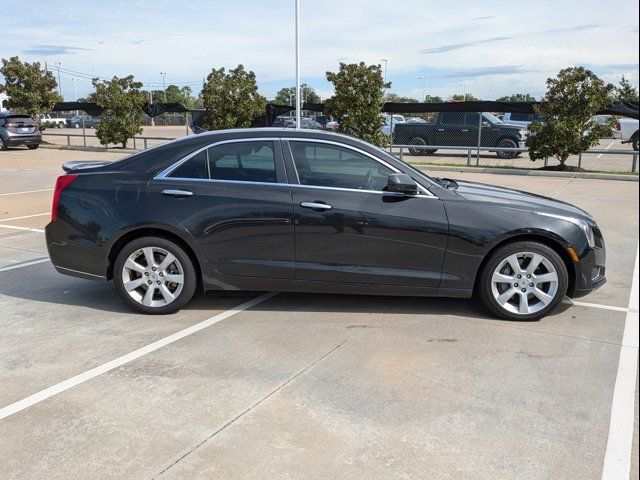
(441, 129)
(316, 205)
(178, 193)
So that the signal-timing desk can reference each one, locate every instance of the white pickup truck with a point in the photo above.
(59, 122)
(628, 130)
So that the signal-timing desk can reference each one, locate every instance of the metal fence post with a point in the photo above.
(468, 157)
(634, 163)
(580, 160)
(401, 154)
(134, 142)
(546, 161)
(145, 143)
(479, 138)
(68, 140)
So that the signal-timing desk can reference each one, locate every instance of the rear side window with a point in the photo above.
(452, 118)
(243, 161)
(472, 119)
(195, 167)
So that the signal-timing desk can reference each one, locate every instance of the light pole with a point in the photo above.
(75, 91)
(57, 64)
(464, 90)
(297, 14)
(386, 63)
(424, 88)
(493, 97)
(164, 88)
(151, 102)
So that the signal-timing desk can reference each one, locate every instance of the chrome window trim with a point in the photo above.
(425, 191)
(163, 175)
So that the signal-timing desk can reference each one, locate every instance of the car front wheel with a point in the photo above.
(3, 145)
(523, 281)
(154, 275)
(507, 143)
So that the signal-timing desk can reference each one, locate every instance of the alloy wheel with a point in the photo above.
(524, 283)
(153, 277)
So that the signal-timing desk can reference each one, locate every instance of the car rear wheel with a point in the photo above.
(507, 143)
(420, 151)
(61, 125)
(3, 145)
(76, 125)
(634, 141)
(154, 275)
(523, 281)
(32, 147)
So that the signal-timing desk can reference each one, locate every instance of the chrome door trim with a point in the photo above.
(316, 205)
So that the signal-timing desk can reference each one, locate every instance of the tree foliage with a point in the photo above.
(458, 97)
(174, 94)
(286, 96)
(232, 98)
(626, 91)
(359, 95)
(122, 100)
(433, 99)
(31, 89)
(573, 97)
(517, 97)
(395, 98)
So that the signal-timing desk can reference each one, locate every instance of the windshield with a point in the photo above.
(492, 118)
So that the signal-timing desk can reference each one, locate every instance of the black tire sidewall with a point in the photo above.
(190, 280)
(507, 155)
(484, 283)
(3, 144)
(417, 152)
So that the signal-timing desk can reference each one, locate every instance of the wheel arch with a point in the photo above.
(550, 242)
(153, 231)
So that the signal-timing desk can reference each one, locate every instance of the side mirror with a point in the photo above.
(401, 183)
(486, 124)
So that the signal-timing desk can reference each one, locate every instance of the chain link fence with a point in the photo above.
(487, 140)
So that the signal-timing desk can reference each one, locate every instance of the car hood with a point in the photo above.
(506, 197)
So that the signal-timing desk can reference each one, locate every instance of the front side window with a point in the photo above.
(452, 118)
(325, 165)
(240, 161)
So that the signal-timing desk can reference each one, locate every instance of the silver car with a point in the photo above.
(18, 129)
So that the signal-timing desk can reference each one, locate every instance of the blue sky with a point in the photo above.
(489, 48)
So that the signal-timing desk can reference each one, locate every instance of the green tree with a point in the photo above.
(573, 97)
(626, 91)
(433, 99)
(232, 98)
(458, 97)
(286, 96)
(395, 98)
(30, 89)
(122, 100)
(359, 95)
(517, 97)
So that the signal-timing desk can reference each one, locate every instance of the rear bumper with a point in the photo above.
(12, 141)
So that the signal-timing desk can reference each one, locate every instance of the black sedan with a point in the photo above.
(311, 211)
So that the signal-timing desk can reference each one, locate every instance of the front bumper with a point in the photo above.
(590, 272)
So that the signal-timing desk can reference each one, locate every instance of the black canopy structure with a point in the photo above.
(151, 109)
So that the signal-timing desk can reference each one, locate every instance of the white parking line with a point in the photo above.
(13, 227)
(129, 357)
(26, 191)
(617, 459)
(607, 148)
(597, 305)
(22, 265)
(25, 216)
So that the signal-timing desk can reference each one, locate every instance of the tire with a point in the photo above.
(506, 300)
(634, 141)
(76, 125)
(3, 145)
(135, 291)
(33, 147)
(507, 143)
(420, 151)
(61, 125)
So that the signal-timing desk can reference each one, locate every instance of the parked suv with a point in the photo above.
(18, 129)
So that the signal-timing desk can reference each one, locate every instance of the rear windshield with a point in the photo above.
(19, 121)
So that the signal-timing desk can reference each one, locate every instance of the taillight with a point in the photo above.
(61, 183)
(618, 126)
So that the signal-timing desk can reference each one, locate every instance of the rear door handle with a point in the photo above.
(316, 205)
(441, 129)
(178, 193)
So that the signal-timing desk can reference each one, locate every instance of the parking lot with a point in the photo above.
(253, 385)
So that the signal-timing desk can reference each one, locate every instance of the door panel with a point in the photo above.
(368, 237)
(243, 227)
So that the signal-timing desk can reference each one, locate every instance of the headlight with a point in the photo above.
(583, 225)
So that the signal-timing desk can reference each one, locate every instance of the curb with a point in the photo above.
(80, 148)
(530, 173)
